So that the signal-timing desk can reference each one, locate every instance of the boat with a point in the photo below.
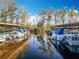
(69, 40)
(12, 42)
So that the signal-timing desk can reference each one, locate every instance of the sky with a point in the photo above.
(35, 6)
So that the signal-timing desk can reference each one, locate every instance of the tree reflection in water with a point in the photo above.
(46, 46)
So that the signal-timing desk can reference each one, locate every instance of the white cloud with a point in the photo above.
(76, 11)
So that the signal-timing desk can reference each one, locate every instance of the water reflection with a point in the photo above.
(46, 46)
(40, 48)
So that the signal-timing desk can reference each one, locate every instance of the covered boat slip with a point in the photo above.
(67, 26)
(5, 27)
(10, 49)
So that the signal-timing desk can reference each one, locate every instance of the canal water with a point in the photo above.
(40, 48)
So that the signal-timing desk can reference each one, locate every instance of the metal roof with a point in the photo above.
(67, 26)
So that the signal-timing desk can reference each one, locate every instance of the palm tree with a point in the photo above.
(62, 13)
(3, 10)
(11, 11)
(55, 16)
(8, 8)
(23, 17)
(46, 16)
(71, 14)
